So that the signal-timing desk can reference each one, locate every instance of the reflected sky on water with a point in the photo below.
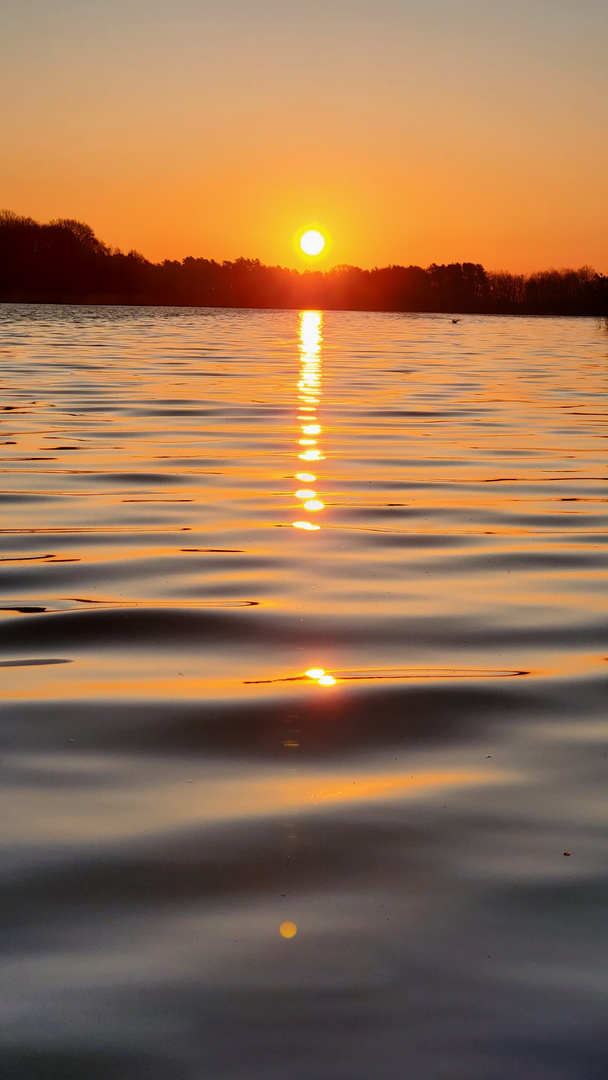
(324, 800)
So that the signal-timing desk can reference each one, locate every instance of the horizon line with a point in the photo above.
(12, 217)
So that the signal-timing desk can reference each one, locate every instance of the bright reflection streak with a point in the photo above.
(319, 675)
(308, 387)
(310, 332)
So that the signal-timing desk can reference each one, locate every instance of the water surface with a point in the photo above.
(199, 507)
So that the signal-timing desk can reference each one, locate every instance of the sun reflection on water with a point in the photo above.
(309, 395)
(306, 525)
(321, 676)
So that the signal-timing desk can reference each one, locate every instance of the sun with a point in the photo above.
(312, 242)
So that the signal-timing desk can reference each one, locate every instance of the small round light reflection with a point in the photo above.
(305, 525)
(306, 477)
(314, 504)
(315, 673)
(327, 680)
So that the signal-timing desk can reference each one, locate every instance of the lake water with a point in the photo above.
(218, 867)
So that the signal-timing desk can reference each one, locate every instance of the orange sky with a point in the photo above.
(413, 130)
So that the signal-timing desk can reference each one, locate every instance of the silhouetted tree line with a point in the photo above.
(64, 262)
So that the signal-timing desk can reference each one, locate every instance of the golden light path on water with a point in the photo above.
(308, 400)
(311, 324)
(383, 731)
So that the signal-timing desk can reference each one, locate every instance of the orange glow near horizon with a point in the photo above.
(406, 134)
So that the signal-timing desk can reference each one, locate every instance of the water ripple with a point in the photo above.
(364, 696)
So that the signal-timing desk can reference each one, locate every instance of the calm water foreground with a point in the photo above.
(218, 867)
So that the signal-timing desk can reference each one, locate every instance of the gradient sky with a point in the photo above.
(412, 130)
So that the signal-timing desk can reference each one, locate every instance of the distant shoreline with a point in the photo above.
(11, 302)
(63, 262)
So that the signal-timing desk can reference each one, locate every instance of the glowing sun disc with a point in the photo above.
(312, 242)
